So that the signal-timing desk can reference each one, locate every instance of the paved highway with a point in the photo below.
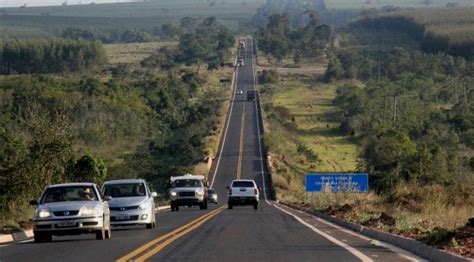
(271, 233)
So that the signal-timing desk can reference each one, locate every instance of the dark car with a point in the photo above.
(211, 196)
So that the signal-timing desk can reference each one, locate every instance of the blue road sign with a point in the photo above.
(337, 182)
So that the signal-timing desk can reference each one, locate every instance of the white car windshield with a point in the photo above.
(125, 190)
(187, 183)
(72, 193)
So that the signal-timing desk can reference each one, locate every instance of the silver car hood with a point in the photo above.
(127, 201)
(71, 205)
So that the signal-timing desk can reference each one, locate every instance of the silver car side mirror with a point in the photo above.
(107, 198)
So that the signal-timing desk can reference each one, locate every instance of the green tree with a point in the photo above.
(88, 169)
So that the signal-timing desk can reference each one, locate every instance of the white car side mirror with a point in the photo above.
(154, 194)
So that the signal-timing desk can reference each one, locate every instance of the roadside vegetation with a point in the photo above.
(118, 121)
(397, 113)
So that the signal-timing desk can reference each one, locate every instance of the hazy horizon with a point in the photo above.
(18, 3)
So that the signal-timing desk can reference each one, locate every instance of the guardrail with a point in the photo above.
(267, 170)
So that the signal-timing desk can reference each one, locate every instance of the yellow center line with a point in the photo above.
(164, 244)
(177, 232)
(241, 147)
(156, 245)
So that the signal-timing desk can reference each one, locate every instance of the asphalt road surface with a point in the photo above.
(271, 233)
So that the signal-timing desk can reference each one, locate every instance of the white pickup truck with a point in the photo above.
(243, 192)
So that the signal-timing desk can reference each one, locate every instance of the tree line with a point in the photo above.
(281, 40)
(414, 117)
(49, 56)
(430, 40)
(205, 41)
(50, 126)
(114, 36)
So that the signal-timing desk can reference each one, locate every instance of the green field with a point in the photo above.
(367, 4)
(51, 21)
(317, 126)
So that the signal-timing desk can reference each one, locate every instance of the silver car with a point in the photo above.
(71, 209)
(188, 190)
(132, 202)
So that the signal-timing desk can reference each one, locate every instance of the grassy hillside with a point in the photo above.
(437, 30)
(51, 21)
(457, 25)
(367, 4)
(313, 112)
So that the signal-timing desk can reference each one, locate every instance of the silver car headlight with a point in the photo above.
(143, 205)
(89, 211)
(43, 213)
(173, 193)
(200, 192)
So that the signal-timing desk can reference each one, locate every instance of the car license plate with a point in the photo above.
(122, 217)
(66, 224)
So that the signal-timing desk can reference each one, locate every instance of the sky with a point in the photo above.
(17, 3)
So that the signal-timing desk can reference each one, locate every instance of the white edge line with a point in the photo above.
(393, 248)
(352, 250)
(234, 77)
(17, 242)
(402, 252)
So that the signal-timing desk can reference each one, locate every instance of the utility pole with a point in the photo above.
(384, 108)
(394, 109)
(465, 93)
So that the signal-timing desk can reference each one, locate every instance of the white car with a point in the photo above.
(240, 62)
(239, 92)
(132, 202)
(243, 192)
(188, 190)
(71, 209)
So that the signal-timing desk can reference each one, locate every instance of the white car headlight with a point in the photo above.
(173, 193)
(143, 205)
(89, 211)
(200, 192)
(42, 213)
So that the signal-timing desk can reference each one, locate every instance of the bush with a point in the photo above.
(268, 77)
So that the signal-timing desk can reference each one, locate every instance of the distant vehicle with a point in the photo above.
(211, 196)
(251, 95)
(242, 44)
(71, 209)
(240, 62)
(239, 92)
(132, 202)
(243, 192)
(188, 190)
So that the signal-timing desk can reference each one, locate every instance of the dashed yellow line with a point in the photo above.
(241, 147)
(154, 246)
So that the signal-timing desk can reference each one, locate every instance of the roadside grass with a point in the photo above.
(316, 123)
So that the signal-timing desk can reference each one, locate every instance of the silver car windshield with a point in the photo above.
(125, 190)
(72, 193)
(187, 183)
